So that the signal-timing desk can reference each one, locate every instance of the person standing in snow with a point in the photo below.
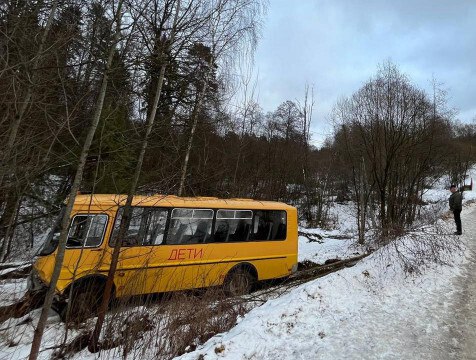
(456, 205)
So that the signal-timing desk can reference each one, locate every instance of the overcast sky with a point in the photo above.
(336, 45)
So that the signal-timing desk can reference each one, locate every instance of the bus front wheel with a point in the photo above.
(84, 301)
(239, 282)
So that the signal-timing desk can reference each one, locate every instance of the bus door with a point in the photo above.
(84, 254)
(185, 251)
(138, 270)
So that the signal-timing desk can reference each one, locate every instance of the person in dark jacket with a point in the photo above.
(456, 205)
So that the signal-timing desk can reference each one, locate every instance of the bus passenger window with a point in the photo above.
(222, 231)
(242, 230)
(146, 227)
(232, 225)
(156, 227)
(189, 226)
(86, 230)
(261, 227)
(269, 225)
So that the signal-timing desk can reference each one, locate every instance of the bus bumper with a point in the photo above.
(34, 283)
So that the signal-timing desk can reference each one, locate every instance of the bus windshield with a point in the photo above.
(85, 230)
(52, 239)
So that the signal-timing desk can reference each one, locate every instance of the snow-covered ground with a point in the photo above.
(374, 310)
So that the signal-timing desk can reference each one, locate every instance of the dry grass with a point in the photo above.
(170, 325)
(162, 326)
(420, 246)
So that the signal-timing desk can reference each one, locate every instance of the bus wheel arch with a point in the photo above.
(84, 297)
(240, 280)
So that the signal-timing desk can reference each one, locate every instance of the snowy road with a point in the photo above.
(461, 342)
(440, 325)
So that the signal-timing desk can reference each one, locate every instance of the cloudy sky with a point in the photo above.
(336, 45)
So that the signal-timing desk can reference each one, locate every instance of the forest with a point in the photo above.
(157, 97)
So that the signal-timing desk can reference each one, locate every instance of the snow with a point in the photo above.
(318, 251)
(10, 267)
(373, 310)
(18, 335)
(11, 291)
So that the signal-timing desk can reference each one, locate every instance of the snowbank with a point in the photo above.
(370, 311)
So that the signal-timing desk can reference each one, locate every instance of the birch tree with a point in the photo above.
(232, 26)
(125, 220)
(36, 342)
(393, 140)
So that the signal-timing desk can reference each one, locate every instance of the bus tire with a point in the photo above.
(239, 282)
(85, 300)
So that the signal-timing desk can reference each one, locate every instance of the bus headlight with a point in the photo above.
(34, 282)
(294, 268)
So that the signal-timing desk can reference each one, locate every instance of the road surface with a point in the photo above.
(462, 334)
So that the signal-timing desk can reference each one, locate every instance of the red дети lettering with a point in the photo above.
(173, 255)
(186, 254)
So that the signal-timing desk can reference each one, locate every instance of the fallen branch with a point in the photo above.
(16, 273)
(315, 237)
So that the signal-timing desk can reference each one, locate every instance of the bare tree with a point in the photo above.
(93, 343)
(248, 116)
(36, 342)
(19, 72)
(231, 25)
(390, 135)
(310, 186)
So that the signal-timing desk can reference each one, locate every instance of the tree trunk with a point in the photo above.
(36, 342)
(7, 223)
(17, 119)
(195, 111)
(93, 341)
(362, 205)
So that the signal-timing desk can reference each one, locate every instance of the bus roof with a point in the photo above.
(110, 200)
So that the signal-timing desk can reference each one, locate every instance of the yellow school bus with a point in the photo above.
(171, 243)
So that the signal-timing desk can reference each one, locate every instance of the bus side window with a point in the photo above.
(222, 231)
(261, 226)
(86, 230)
(242, 230)
(146, 227)
(280, 227)
(156, 227)
(189, 226)
(232, 225)
(269, 225)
